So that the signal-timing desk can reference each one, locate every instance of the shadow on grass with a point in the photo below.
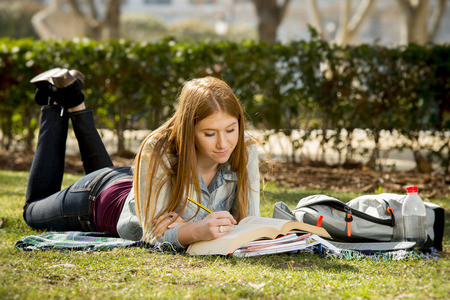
(301, 262)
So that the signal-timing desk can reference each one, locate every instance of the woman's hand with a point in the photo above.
(167, 221)
(215, 225)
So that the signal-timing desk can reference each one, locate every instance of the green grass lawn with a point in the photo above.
(138, 273)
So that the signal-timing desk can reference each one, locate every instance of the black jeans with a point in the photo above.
(46, 206)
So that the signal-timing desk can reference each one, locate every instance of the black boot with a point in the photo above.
(71, 95)
(44, 93)
(59, 86)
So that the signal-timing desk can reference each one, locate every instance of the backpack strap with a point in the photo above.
(391, 212)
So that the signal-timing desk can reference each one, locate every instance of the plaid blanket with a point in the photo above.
(73, 240)
(92, 241)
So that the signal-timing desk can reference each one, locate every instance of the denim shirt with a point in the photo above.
(219, 196)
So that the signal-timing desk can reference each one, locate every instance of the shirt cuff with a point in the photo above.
(170, 236)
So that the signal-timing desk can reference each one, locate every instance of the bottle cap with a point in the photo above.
(412, 189)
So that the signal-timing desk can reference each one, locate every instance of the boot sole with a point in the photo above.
(58, 77)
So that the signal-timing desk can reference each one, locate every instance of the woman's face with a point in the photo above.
(215, 139)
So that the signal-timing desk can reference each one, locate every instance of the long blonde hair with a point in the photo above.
(198, 99)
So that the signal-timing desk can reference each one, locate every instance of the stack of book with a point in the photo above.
(259, 236)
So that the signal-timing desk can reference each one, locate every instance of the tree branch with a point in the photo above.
(283, 9)
(76, 8)
(436, 18)
(359, 16)
(316, 19)
(406, 7)
(341, 35)
(93, 10)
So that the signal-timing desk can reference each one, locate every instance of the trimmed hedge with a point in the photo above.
(301, 85)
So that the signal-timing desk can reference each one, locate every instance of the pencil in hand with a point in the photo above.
(198, 204)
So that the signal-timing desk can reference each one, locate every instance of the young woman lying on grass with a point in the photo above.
(201, 152)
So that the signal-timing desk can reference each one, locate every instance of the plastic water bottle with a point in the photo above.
(414, 218)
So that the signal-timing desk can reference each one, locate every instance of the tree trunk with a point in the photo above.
(446, 159)
(29, 139)
(97, 28)
(120, 132)
(372, 163)
(344, 17)
(414, 21)
(348, 25)
(270, 15)
(112, 21)
(7, 131)
(422, 164)
(417, 24)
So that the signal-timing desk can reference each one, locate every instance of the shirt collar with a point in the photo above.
(227, 173)
(223, 174)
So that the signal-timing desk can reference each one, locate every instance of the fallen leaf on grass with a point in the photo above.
(63, 266)
(257, 285)
(401, 296)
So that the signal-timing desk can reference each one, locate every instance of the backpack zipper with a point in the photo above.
(348, 219)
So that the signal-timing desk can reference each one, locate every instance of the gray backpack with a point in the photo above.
(369, 218)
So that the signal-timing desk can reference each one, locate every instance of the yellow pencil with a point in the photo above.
(198, 204)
